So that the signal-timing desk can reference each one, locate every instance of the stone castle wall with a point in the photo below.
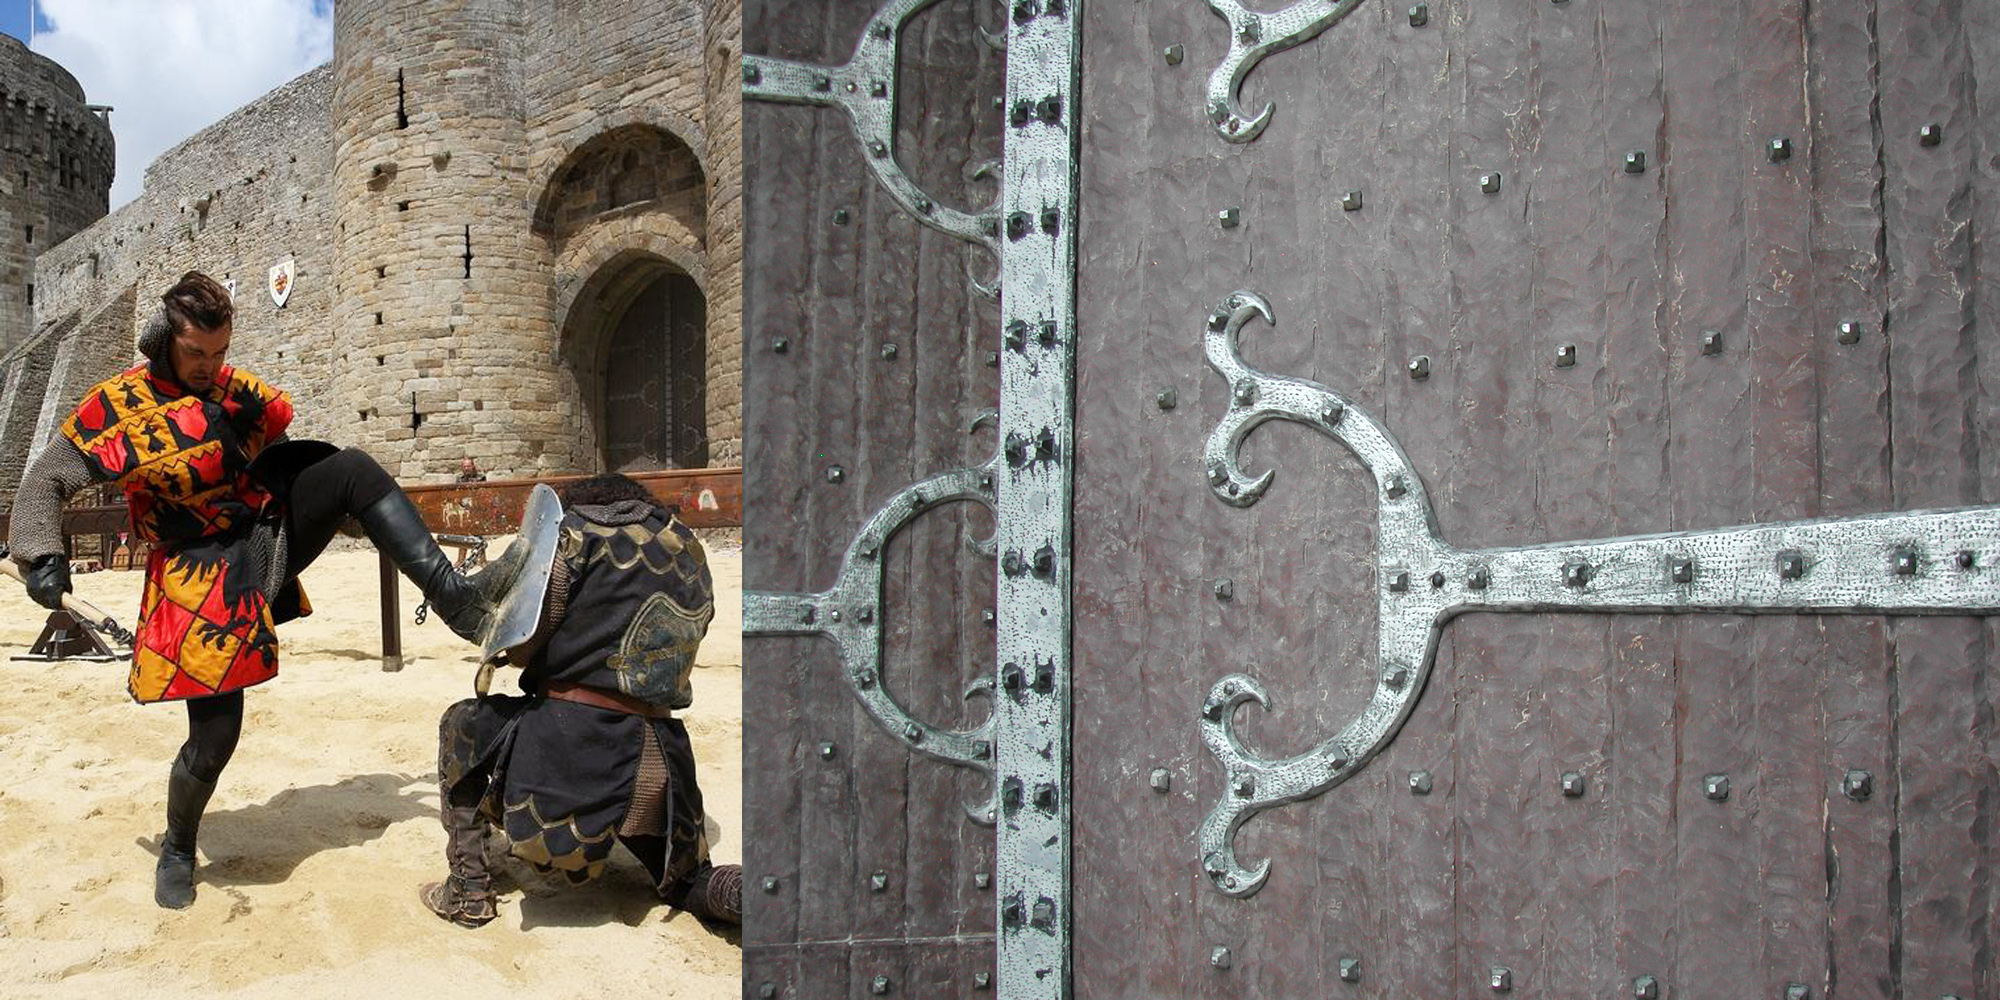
(55, 174)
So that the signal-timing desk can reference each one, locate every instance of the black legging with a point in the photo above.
(321, 496)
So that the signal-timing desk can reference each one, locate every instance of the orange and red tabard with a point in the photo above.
(181, 459)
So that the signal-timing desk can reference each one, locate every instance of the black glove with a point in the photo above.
(48, 580)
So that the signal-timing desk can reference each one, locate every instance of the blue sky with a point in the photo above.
(169, 68)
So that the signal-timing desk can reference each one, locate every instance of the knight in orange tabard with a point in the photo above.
(181, 435)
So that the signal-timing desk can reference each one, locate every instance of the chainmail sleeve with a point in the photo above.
(34, 529)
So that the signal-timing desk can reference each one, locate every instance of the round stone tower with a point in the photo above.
(55, 173)
(441, 318)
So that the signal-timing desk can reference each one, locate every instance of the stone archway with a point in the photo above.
(635, 336)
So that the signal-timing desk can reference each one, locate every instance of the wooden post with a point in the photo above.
(392, 620)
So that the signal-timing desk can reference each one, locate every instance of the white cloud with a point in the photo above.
(170, 68)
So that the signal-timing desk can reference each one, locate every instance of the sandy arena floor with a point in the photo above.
(323, 827)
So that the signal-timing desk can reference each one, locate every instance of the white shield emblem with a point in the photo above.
(280, 284)
(229, 285)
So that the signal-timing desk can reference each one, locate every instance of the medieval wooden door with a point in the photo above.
(1480, 277)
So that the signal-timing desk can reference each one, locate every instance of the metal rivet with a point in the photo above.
(888, 352)
(1396, 488)
(1045, 561)
(1930, 135)
(1244, 392)
(877, 148)
(1049, 109)
(770, 883)
(1635, 162)
(1225, 589)
(751, 74)
(1045, 797)
(1216, 477)
(826, 751)
(879, 985)
(869, 548)
(1480, 578)
(880, 29)
(1218, 320)
(1174, 54)
(1849, 332)
(1501, 979)
(806, 614)
(913, 732)
(1010, 912)
(1010, 800)
(878, 88)
(1251, 29)
(780, 345)
(840, 216)
(835, 473)
(1017, 225)
(1399, 581)
(1791, 564)
(851, 86)
(1437, 580)
(1020, 113)
(1245, 786)
(1905, 562)
(1577, 573)
(1646, 988)
(1778, 149)
(982, 880)
(1797, 991)
(1420, 782)
(982, 749)
(1396, 678)
(864, 615)
(1711, 342)
(1162, 780)
(1857, 785)
(1964, 558)
(1566, 356)
(1229, 217)
(992, 359)
(1351, 202)
(1045, 331)
(1680, 569)
(982, 980)
(924, 205)
(1420, 15)
(878, 882)
(864, 678)
(988, 616)
(1490, 182)
(1420, 367)
(1350, 968)
(1572, 784)
(1219, 957)
(765, 991)
(835, 616)
(1167, 399)
(1715, 786)
(1331, 412)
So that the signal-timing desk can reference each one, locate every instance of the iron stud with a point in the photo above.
(1420, 367)
(1331, 412)
(879, 985)
(1420, 15)
(1716, 787)
(1225, 589)
(1174, 54)
(1244, 392)
(1012, 564)
(1351, 202)
(1791, 564)
(1797, 991)
(1045, 797)
(1779, 149)
(1025, 11)
(1229, 217)
(888, 352)
(913, 732)
(1480, 579)
(1219, 957)
(878, 882)
(1490, 182)
(1397, 488)
(1044, 913)
(1566, 356)
(780, 345)
(1635, 162)
(770, 883)
(1017, 334)
(1964, 558)
(766, 991)
(992, 359)
(988, 617)
(877, 148)
(879, 30)
(1711, 342)
(1019, 114)
(878, 88)
(1501, 979)
(1572, 784)
(1906, 562)
(982, 880)
(1245, 786)
(1849, 332)
(1437, 580)
(826, 751)
(982, 980)
(1577, 573)
(835, 473)
(1049, 109)
(1680, 569)
(864, 615)
(823, 84)
(1167, 399)
(1251, 29)
(751, 74)
(840, 216)
(806, 614)
(1396, 678)
(1857, 785)
(1045, 331)
(1399, 581)
(1350, 968)
(1162, 780)
(864, 678)
(1930, 135)
(834, 616)
(1420, 782)
(1216, 477)
(990, 225)
(1010, 913)
(1045, 561)
(1010, 796)
(1646, 988)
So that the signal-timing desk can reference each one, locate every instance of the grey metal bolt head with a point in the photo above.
(1251, 29)
(1229, 217)
(1045, 561)
(1797, 991)
(877, 148)
(992, 359)
(880, 29)
(982, 749)
(1420, 782)
(1225, 589)
(1244, 392)
(1572, 784)
(1399, 581)
(1480, 578)
(1715, 786)
(1162, 780)
(1680, 569)
(913, 732)
(1212, 864)
(924, 205)
(864, 678)
(1420, 15)
(1332, 412)
(1420, 367)
(878, 882)
(982, 880)
(807, 613)
(1930, 135)
(1848, 332)
(1964, 558)
(1244, 786)
(1857, 785)
(1167, 399)
(878, 88)
(1216, 475)
(1905, 562)
(1350, 970)
(1500, 978)
(827, 751)
(1396, 678)
(1779, 149)
(1711, 342)
(1174, 54)
(1490, 182)
(1566, 356)
(1635, 162)
(879, 985)
(1220, 957)
(1351, 201)
(770, 883)
(888, 352)
(834, 616)
(780, 345)
(840, 216)
(1791, 564)
(988, 616)
(1396, 488)
(1437, 579)
(1646, 988)
(982, 980)
(765, 991)
(1577, 573)
(835, 473)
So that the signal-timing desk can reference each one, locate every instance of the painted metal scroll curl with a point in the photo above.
(865, 88)
(1252, 36)
(849, 613)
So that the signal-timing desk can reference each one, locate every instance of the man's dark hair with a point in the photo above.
(198, 300)
(597, 491)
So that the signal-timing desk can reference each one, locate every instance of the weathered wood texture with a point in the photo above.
(1788, 880)
(838, 293)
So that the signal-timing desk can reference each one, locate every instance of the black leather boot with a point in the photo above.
(187, 797)
(398, 531)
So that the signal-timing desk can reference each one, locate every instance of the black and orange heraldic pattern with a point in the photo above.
(181, 459)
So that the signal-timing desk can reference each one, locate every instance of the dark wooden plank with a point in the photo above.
(703, 498)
